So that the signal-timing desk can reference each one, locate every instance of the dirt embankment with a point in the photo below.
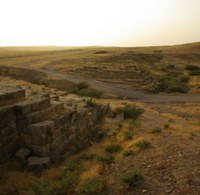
(65, 81)
(35, 76)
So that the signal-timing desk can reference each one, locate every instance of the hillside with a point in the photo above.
(140, 67)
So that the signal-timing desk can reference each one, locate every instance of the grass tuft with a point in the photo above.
(130, 111)
(93, 186)
(133, 178)
(143, 144)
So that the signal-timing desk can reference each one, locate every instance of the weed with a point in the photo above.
(40, 187)
(106, 159)
(184, 79)
(82, 85)
(166, 126)
(72, 166)
(156, 130)
(128, 153)
(91, 103)
(67, 181)
(143, 144)
(65, 185)
(133, 178)
(130, 111)
(128, 135)
(84, 89)
(93, 186)
(192, 67)
(195, 72)
(113, 148)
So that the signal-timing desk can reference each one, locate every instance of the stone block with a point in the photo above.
(40, 129)
(29, 106)
(23, 153)
(37, 163)
(44, 114)
(7, 117)
(9, 94)
(39, 140)
(40, 150)
(62, 120)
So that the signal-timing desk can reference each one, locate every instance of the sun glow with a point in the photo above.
(98, 22)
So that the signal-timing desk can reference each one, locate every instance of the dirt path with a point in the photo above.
(126, 91)
(119, 90)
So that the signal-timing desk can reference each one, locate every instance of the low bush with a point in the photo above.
(192, 67)
(91, 103)
(82, 85)
(128, 153)
(156, 130)
(40, 187)
(128, 135)
(105, 159)
(184, 79)
(143, 144)
(113, 148)
(167, 68)
(195, 72)
(133, 178)
(65, 185)
(84, 89)
(72, 166)
(130, 111)
(93, 186)
(171, 84)
(166, 126)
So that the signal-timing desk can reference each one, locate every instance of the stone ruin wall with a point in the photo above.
(46, 127)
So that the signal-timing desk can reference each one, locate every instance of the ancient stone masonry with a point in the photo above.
(46, 127)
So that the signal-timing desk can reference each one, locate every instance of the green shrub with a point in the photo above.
(195, 72)
(82, 85)
(167, 68)
(91, 103)
(130, 111)
(65, 185)
(143, 144)
(40, 187)
(128, 135)
(106, 159)
(84, 89)
(113, 148)
(192, 67)
(156, 130)
(128, 153)
(172, 84)
(89, 92)
(93, 186)
(66, 182)
(72, 166)
(133, 178)
(177, 88)
(184, 79)
(166, 126)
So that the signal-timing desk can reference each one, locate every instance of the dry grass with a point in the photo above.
(139, 67)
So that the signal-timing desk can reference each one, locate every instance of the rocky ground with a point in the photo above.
(170, 164)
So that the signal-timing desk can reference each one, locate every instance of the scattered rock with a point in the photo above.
(36, 164)
(23, 153)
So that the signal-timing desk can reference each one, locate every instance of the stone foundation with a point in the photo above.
(46, 127)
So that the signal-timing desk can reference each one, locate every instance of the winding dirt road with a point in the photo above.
(119, 90)
(124, 90)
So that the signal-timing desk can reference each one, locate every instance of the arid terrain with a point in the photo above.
(149, 140)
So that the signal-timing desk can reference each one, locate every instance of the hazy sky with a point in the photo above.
(99, 22)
